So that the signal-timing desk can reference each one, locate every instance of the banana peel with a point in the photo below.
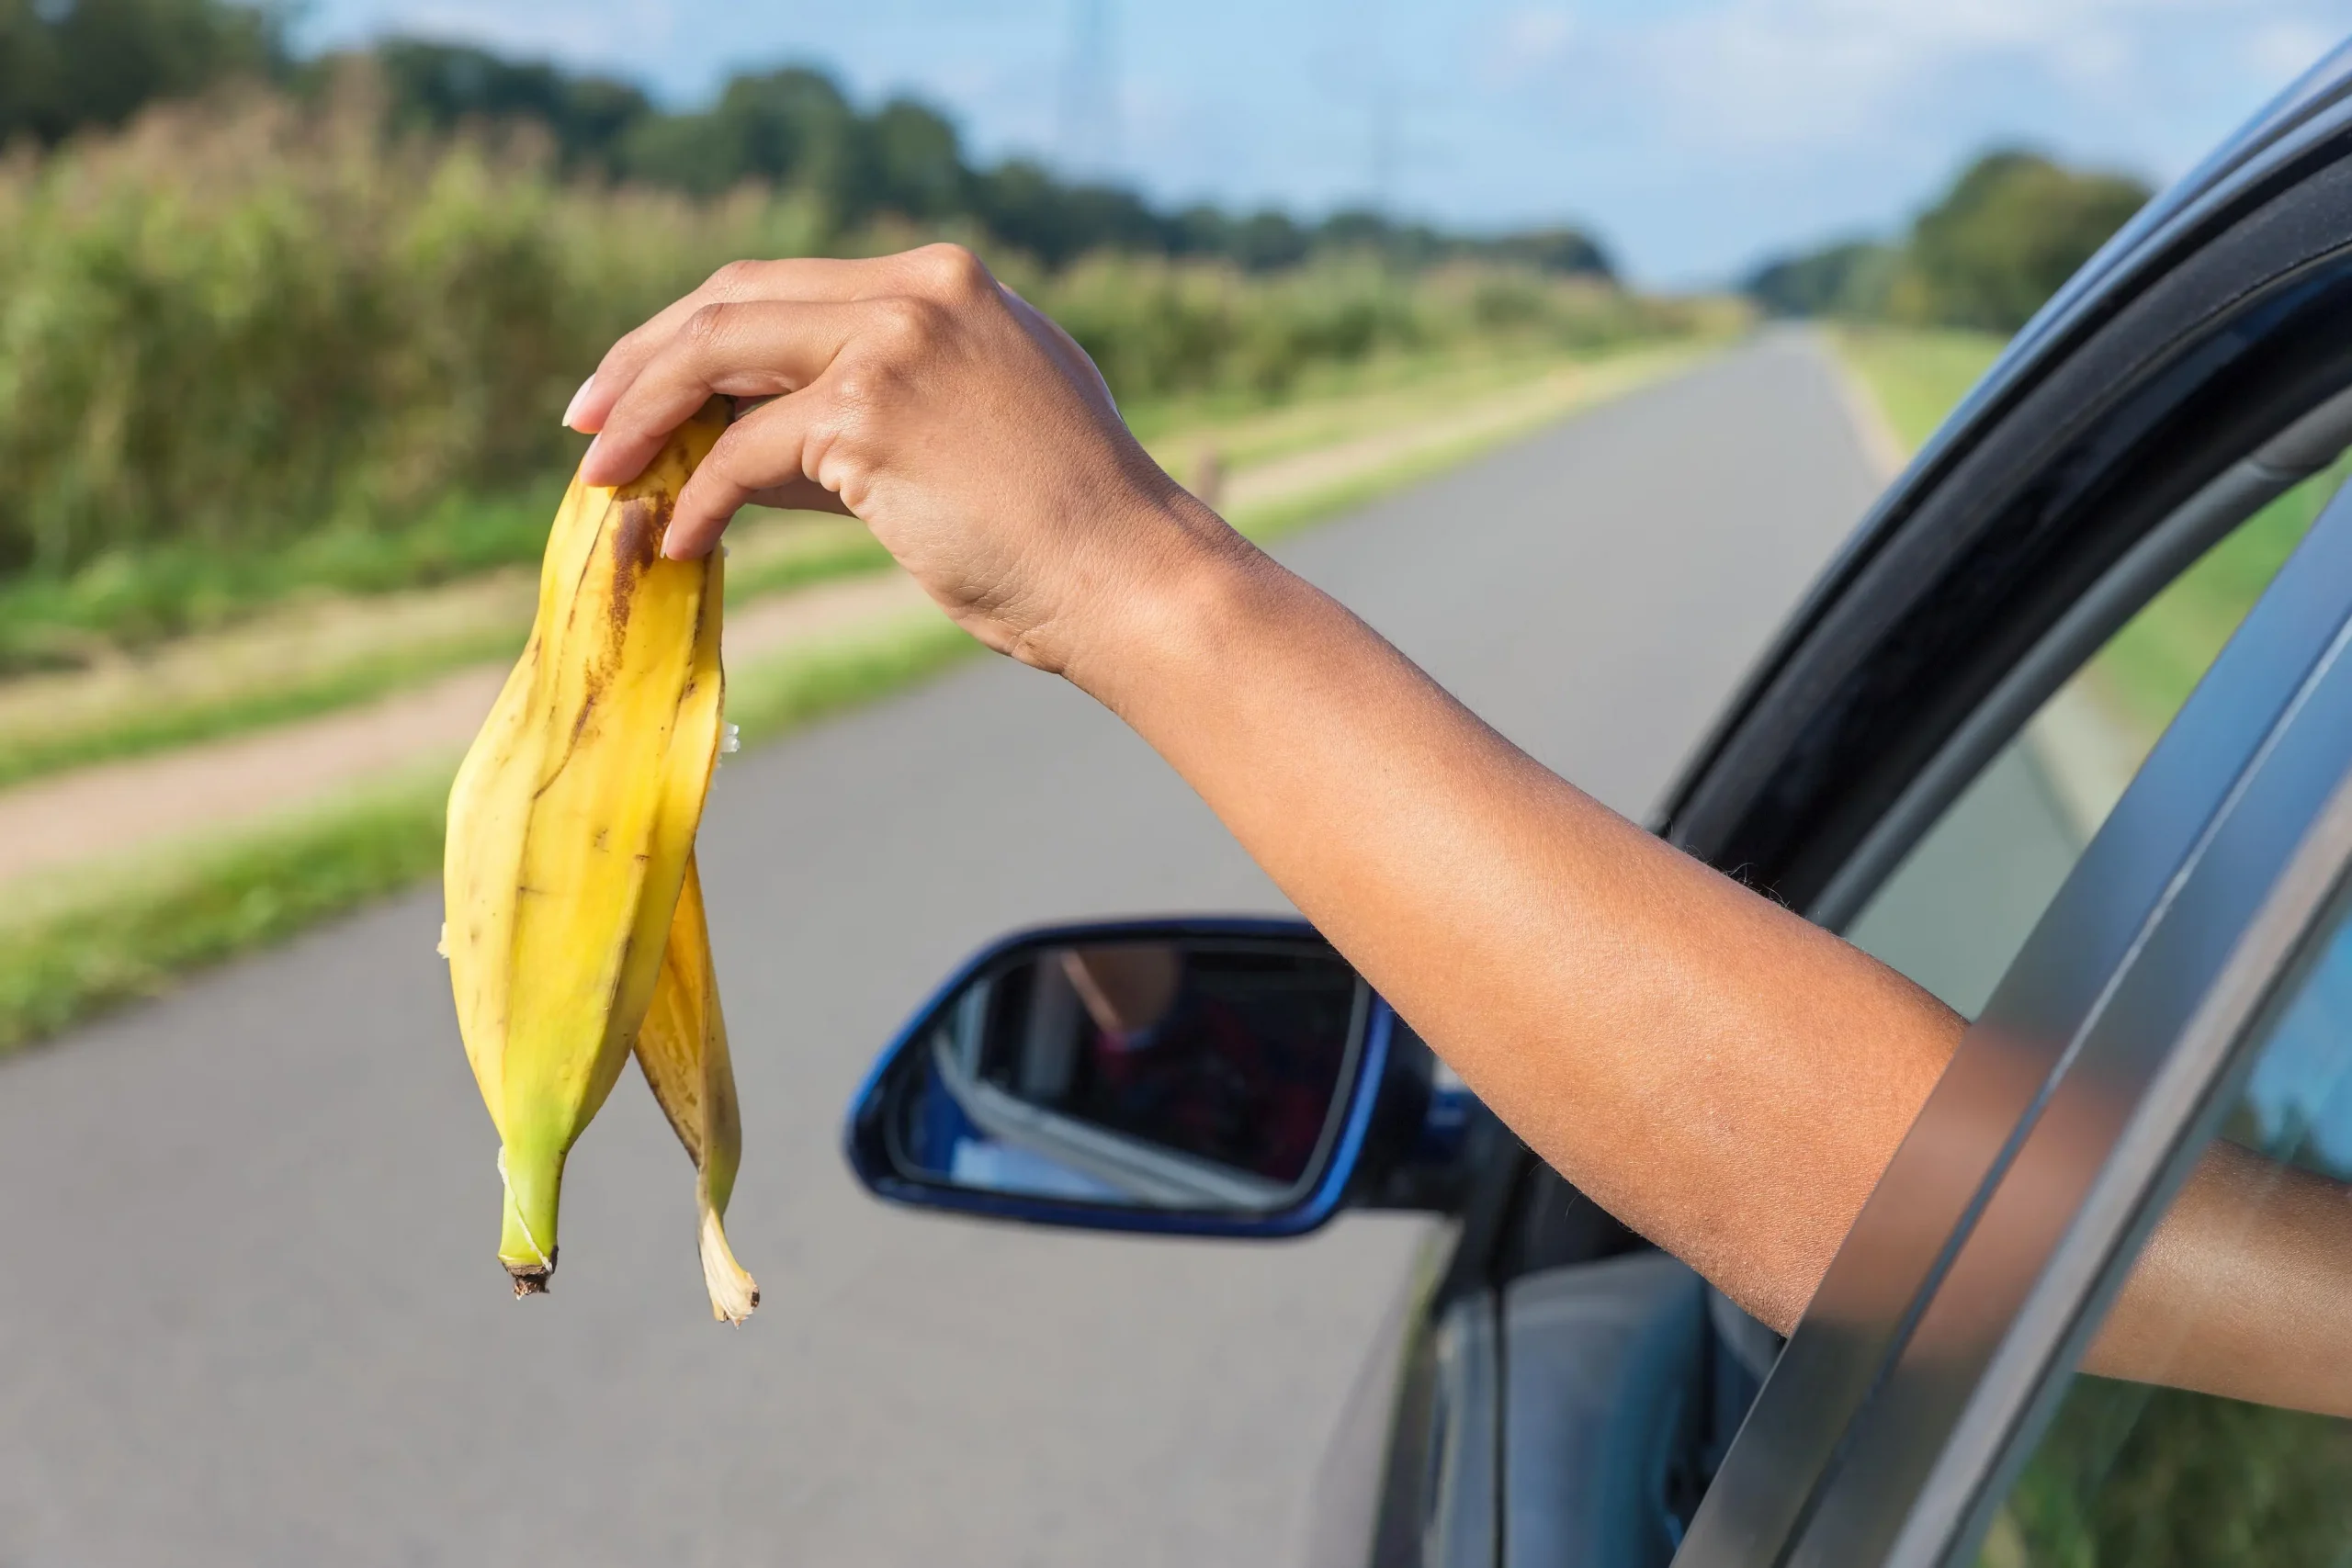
(571, 851)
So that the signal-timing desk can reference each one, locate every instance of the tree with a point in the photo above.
(440, 87)
(64, 63)
(1849, 279)
(2008, 234)
(917, 161)
(68, 64)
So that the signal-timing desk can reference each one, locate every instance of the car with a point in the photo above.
(2150, 928)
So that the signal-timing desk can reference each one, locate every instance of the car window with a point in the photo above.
(1960, 905)
(2162, 1477)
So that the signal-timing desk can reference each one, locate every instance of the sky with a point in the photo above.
(1694, 136)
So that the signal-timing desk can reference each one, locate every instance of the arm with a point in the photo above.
(1724, 1077)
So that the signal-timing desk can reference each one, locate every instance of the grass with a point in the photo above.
(332, 653)
(84, 941)
(1918, 376)
(81, 942)
(255, 346)
(2148, 668)
(161, 726)
(127, 933)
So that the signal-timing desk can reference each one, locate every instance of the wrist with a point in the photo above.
(1180, 605)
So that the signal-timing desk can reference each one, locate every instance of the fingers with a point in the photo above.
(802, 494)
(801, 279)
(761, 349)
(807, 279)
(762, 456)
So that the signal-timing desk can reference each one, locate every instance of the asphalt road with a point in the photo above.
(249, 1311)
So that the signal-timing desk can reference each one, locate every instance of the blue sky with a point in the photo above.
(1694, 135)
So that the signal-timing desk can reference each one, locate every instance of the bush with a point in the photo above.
(250, 342)
(2011, 232)
(2012, 228)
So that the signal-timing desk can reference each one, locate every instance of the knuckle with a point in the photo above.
(909, 322)
(736, 277)
(707, 327)
(952, 270)
(850, 393)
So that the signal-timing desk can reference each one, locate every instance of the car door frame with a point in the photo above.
(1978, 1264)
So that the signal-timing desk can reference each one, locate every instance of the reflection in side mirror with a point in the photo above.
(1212, 1077)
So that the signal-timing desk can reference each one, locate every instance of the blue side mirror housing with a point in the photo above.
(1186, 1077)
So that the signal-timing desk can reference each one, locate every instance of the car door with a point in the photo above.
(2183, 1005)
(1924, 766)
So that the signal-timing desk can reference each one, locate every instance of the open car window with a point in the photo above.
(1967, 1289)
(1956, 909)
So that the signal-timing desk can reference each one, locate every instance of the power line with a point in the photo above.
(1089, 107)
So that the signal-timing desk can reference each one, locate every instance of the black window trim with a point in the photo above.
(2148, 566)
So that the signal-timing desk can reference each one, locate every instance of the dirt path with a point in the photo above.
(118, 806)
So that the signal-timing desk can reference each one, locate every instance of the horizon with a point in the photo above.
(1694, 139)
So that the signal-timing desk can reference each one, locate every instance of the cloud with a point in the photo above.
(1816, 74)
(1531, 40)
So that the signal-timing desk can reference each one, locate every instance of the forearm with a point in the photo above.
(2244, 1290)
(1718, 1073)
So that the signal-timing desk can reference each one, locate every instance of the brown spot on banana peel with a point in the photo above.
(637, 544)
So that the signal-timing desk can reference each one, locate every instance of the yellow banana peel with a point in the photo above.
(570, 840)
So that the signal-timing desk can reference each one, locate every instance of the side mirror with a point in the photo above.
(1195, 1077)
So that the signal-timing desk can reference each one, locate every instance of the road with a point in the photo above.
(248, 1307)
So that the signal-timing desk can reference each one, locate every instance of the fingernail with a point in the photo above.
(572, 409)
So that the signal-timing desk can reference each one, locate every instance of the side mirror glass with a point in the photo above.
(1204, 1077)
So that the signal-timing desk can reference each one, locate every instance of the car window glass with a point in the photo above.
(1958, 908)
(2162, 1477)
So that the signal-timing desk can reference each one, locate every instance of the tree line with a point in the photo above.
(66, 64)
(2010, 230)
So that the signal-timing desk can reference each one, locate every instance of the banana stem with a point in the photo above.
(526, 1234)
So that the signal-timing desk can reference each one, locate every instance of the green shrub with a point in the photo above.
(250, 343)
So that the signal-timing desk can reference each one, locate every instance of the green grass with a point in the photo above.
(130, 600)
(110, 938)
(1918, 376)
(2147, 670)
(84, 940)
(164, 726)
(66, 734)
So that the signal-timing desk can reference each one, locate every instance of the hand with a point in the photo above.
(917, 393)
